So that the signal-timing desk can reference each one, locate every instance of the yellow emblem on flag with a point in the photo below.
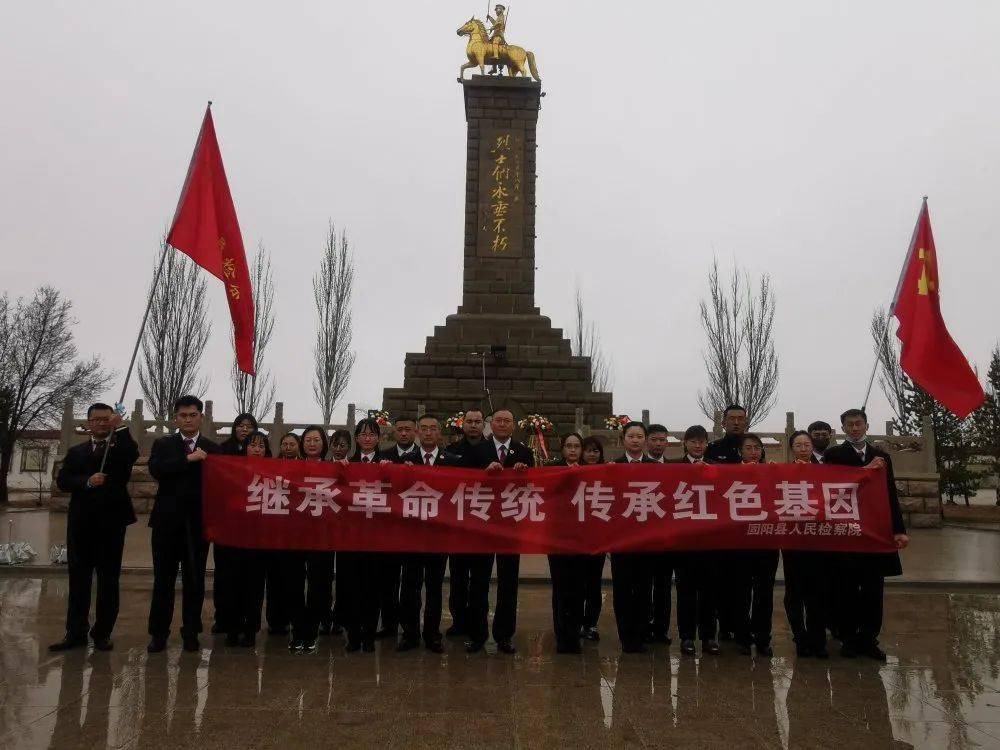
(925, 284)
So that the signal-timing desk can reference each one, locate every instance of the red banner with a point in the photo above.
(278, 504)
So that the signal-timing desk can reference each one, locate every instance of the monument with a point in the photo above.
(498, 350)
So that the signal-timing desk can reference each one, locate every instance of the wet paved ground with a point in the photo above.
(940, 689)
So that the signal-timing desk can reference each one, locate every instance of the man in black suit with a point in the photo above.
(495, 454)
(99, 511)
(473, 422)
(424, 569)
(862, 574)
(175, 462)
(726, 450)
(821, 434)
(664, 563)
(631, 572)
(390, 564)
(696, 571)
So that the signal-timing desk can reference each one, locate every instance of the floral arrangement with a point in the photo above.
(535, 423)
(380, 417)
(617, 423)
(455, 421)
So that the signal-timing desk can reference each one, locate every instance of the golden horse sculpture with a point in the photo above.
(482, 52)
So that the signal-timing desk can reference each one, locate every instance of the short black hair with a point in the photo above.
(695, 432)
(322, 431)
(749, 436)
(98, 407)
(853, 413)
(189, 400)
(732, 407)
(819, 425)
(298, 441)
(428, 416)
(592, 441)
(656, 429)
(791, 438)
(630, 425)
(340, 435)
(567, 436)
(467, 412)
(404, 418)
(370, 423)
(253, 436)
(502, 408)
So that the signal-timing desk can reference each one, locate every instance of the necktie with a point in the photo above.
(365, 459)
(189, 445)
(502, 453)
(428, 457)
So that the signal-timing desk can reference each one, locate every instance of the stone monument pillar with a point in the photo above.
(498, 348)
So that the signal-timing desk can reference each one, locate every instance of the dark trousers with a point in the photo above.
(425, 571)
(696, 598)
(458, 591)
(177, 547)
(861, 593)
(360, 607)
(806, 575)
(277, 575)
(630, 573)
(505, 613)
(663, 566)
(249, 593)
(93, 547)
(568, 589)
(226, 586)
(593, 575)
(755, 598)
(310, 593)
(729, 587)
(390, 573)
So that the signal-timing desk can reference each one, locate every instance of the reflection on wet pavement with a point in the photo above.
(940, 689)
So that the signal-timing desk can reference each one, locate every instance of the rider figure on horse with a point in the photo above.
(497, 27)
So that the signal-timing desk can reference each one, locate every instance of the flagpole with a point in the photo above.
(138, 339)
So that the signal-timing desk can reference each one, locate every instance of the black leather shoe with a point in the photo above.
(156, 644)
(687, 648)
(874, 652)
(473, 647)
(68, 643)
(352, 645)
(434, 645)
(455, 632)
(103, 644)
(591, 634)
(336, 629)
(310, 646)
(504, 646)
(407, 644)
(710, 647)
(745, 649)
(368, 646)
(765, 651)
(191, 643)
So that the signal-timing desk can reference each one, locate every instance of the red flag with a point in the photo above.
(929, 355)
(205, 228)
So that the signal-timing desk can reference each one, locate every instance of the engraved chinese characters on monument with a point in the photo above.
(501, 199)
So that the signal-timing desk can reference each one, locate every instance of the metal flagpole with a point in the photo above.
(871, 381)
(138, 340)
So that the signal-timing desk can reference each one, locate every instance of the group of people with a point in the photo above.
(722, 595)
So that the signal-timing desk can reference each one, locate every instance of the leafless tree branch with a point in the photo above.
(586, 342)
(254, 394)
(333, 287)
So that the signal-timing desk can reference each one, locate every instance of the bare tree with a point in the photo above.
(893, 381)
(741, 363)
(254, 394)
(176, 334)
(333, 286)
(587, 343)
(40, 369)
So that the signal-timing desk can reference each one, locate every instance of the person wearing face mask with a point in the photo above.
(631, 572)
(697, 571)
(862, 574)
(820, 433)
(497, 454)
(360, 570)
(225, 577)
(754, 573)
(473, 422)
(312, 591)
(806, 573)
(568, 572)
(593, 575)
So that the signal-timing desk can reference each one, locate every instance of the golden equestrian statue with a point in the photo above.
(492, 49)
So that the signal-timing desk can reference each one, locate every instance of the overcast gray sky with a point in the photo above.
(794, 138)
